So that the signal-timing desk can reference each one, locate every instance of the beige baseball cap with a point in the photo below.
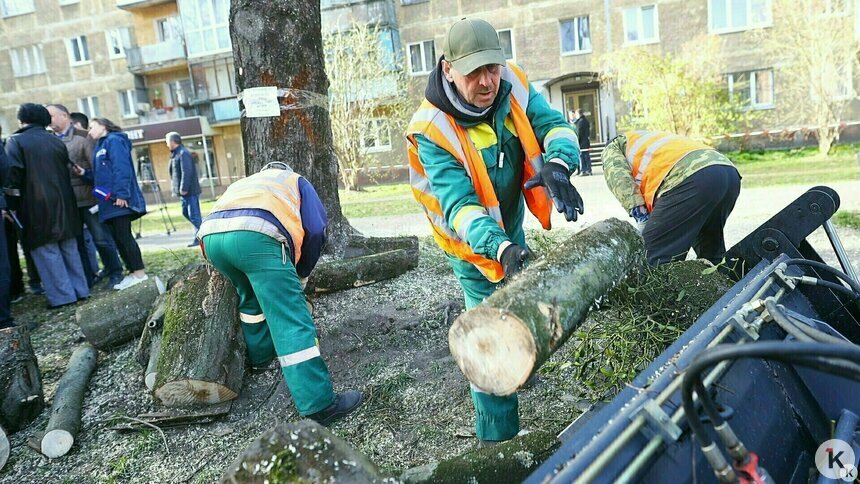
(472, 43)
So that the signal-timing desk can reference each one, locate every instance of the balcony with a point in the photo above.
(165, 114)
(135, 4)
(163, 56)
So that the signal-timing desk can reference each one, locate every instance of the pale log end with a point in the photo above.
(184, 393)
(57, 443)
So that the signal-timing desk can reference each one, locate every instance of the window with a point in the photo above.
(117, 41)
(377, 137)
(640, 25)
(128, 103)
(214, 80)
(835, 82)
(735, 15)
(168, 28)
(205, 23)
(79, 52)
(392, 58)
(27, 61)
(506, 39)
(412, 2)
(753, 89)
(422, 57)
(575, 36)
(89, 106)
(9, 8)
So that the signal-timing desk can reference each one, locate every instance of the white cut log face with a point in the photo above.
(149, 380)
(57, 443)
(192, 392)
(495, 350)
(4, 448)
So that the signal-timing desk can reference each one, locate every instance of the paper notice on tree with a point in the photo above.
(261, 102)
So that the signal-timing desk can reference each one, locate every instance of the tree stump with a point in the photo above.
(510, 461)
(21, 398)
(202, 357)
(303, 451)
(501, 342)
(119, 317)
(65, 421)
(341, 274)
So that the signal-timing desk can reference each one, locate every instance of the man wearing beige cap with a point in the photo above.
(483, 145)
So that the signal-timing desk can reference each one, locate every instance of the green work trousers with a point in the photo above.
(496, 418)
(275, 318)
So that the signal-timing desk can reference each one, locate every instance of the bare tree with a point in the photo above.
(368, 95)
(279, 43)
(815, 51)
(683, 93)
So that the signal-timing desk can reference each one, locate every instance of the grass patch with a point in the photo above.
(797, 166)
(378, 201)
(847, 218)
(166, 261)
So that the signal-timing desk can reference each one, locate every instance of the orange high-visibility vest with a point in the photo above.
(441, 128)
(652, 154)
(275, 191)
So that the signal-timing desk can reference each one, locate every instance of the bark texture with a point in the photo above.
(511, 461)
(361, 246)
(202, 349)
(343, 274)
(119, 317)
(65, 421)
(279, 43)
(501, 342)
(21, 398)
(151, 367)
(301, 452)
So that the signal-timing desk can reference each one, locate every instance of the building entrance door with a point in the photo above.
(587, 100)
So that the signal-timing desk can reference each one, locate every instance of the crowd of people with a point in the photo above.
(69, 196)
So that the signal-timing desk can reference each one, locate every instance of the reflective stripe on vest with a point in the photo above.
(275, 191)
(652, 154)
(443, 130)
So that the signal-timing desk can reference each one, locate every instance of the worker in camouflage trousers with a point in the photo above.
(266, 234)
(477, 146)
(680, 192)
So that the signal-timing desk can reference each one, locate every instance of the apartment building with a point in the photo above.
(560, 42)
(66, 51)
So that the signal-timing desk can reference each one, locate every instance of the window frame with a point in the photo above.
(754, 104)
(214, 27)
(70, 49)
(35, 57)
(729, 29)
(109, 40)
(129, 95)
(376, 148)
(513, 43)
(86, 106)
(561, 37)
(640, 25)
(4, 9)
(421, 44)
(163, 21)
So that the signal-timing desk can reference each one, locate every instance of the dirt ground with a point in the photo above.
(388, 340)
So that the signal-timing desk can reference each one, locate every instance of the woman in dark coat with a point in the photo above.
(45, 205)
(120, 200)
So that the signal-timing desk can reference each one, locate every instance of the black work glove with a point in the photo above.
(556, 178)
(513, 259)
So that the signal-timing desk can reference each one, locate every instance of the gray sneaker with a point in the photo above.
(344, 404)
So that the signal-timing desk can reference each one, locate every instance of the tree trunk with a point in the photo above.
(500, 343)
(21, 398)
(341, 274)
(118, 317)
(360, 246)
(65, 421)
(152, 327)
(510, 461)
(279, 43)
(4, 448)
(150, 372)
(301, 452)
(202, 357)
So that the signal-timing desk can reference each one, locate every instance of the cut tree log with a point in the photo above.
(21, 398)
(510, 461)
(4, 448)
(302, 451)
(202, 357)
(119, 317)
(176, 418)
(65, 421)
(151, 367)
(152, 326)
(359, 246)
(341, 274)
(501, 342)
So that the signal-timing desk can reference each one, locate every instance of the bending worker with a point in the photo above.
(684, 190)
(266, 234)
(476, 149)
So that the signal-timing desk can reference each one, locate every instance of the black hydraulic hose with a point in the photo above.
(838, 287)
(817, 334)
(798, 353)
(820, 265)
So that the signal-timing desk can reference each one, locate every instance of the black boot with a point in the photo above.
(344, 404)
